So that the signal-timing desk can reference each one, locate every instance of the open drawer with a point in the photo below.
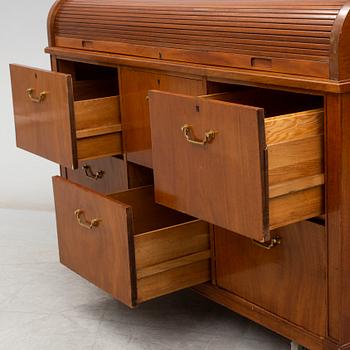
(129, 246)
(246, 169)
(52, 123)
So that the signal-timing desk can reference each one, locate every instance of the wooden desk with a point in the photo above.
(202, 145)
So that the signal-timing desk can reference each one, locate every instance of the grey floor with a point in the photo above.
(45, 306)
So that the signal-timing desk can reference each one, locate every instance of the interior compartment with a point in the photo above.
(268, 144)
(274, 102)
(294, 140)
(97, 109)
(127, 245)
(172, 249)
(147, 214)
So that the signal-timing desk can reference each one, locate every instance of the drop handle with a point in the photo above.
(83, 222)
(41, 98)
(208, 138)
(93, 175)
(275, 241)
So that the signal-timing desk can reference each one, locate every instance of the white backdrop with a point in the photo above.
(25, 179)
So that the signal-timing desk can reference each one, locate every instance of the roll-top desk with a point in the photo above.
(202, 144)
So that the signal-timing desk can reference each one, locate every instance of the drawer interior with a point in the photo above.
(264, 148)
(96, 109)
(293, 128)
(147, 215)
(127, 245)
(172, 250)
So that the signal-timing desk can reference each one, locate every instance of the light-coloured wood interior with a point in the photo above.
(295, 154)
(98, 112)
(147, 215)
(172, 250)
(171, 259)
(98, 127)
(99, 146)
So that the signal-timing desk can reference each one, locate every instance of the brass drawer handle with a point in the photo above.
(40, 99)
(83, 222)
(209, 136)
(90, 174)
(269, 245)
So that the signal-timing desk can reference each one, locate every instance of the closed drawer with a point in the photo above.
(127, 245)
(240, 167)
(292, 275)
(104, 175)
(109, 175)
(51, 123)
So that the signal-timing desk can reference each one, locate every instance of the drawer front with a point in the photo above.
(52, 124)
(128, 245)
(102, 254)
(249, 170)
(44, 114)
(288, 280)
(105, 175)
(223, 181)
(134, 87)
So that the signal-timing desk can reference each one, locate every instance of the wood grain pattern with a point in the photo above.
(134, 87)
(173, 280)
(291, 277)
(46, 129)
(148, 215)
(156, 247)
(288, 127)
(291, 66)
(185, 174)
(98, 131)
(295, 46)
(95, 113)
(295, 39)
(100, 146)
(337, 216)
(114, 179)
(112, 256)
(173, 264)
(298, 184)
(212, 73)
(103, 255)
(266, 318)
(296, 206)
(61, 129)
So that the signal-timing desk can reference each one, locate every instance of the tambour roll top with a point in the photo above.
(302, 37)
